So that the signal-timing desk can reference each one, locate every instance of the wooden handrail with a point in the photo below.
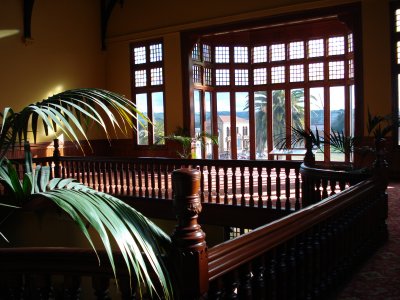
(234, 253)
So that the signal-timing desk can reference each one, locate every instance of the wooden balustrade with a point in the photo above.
(253, 183)
(319, 181)
(303, 255)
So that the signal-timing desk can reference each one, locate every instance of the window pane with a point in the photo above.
(278, 74)
(278, 52)
(197, 74)
(142, 124)
(398, 52)
(139, 55)
(156, 76)
(351, 68)
(156, 52)
(242, 125)
(241, 54)
(278, 115)
(222, 76)
(316, 48)
(222, 54)
(206, 53)
(197, 120)
(317, 115)
(336, 97)
(242, 77)
(260, 113)
(350, 43)
(208, 76)
(297, 107)
(296, 73)
(336, 69)
(397, 20)
(296, 50)
(352, 110)
(224, 125)
(158, 115)
(336, 45)
(260, 54)
(196, 52)
(316, 71)
(208, 129)
(140, 78)
(260, 76)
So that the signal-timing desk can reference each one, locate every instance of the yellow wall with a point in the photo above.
(65, 52)
(140, 21)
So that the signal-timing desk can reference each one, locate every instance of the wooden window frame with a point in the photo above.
(148, 89)
(395, 68)
(348, 14)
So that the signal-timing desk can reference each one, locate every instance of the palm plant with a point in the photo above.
(278, 114)
(188, 142)
(141, 242)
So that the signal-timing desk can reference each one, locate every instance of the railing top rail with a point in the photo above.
(233, 253)
(179, 161)
(323, 171)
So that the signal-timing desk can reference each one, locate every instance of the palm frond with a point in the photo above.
(64, 112)
(136, 236)
(339, 141)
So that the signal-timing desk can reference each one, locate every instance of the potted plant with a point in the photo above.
(188, 143)
(138, 238)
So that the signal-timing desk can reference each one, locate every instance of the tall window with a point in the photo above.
(263, 82)
(395, 30)
(147, 69)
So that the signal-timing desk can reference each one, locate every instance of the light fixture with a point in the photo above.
(8, 32)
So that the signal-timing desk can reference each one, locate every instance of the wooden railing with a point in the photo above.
(304, 255)
(257, 183)
(320, 181)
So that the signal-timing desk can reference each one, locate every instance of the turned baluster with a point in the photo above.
(269, 188)
(234, 198)
(245, 290)
(225, 170)
(101, 285)
(297, 190)
(242, 187)
(209, 170)
(287, 189)
(278, 188)
(72, 287)
(40, 286)
(259, 186)
(189, 250)
(251, 190)
(258, 281)
(217, 185)
(159, 181)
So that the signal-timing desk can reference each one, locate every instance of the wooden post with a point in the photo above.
(309, 158)
(189, 251)
(56, 158)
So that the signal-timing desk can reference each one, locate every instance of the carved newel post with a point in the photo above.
(380, 165)
(189, 250)
(309, 158)
(56, 158)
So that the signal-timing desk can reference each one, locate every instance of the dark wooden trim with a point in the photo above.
(28, 9)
